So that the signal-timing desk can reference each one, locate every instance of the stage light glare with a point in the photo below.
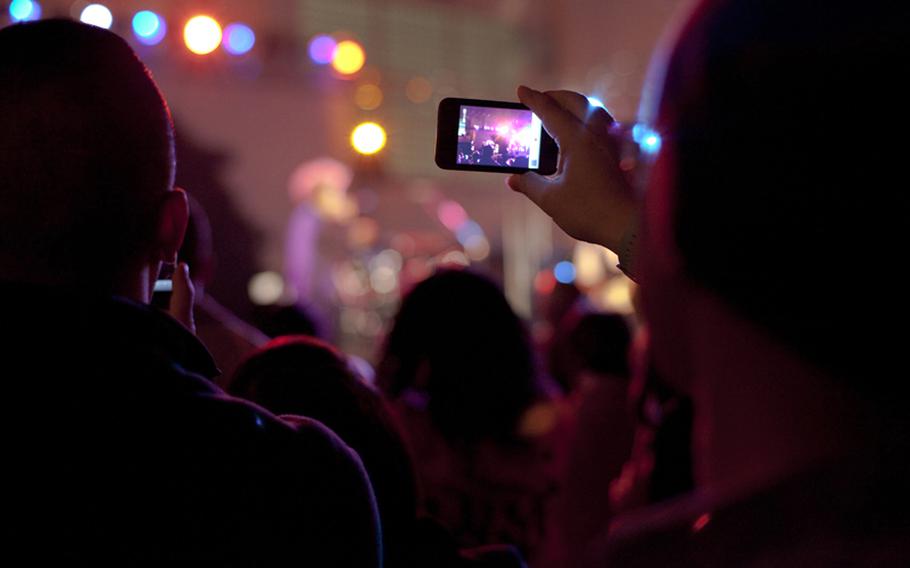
(238, 39)
(202, 35)
(321, 49)
(97, 15)
(595, 102)
(24, 10)
(368, 138)
(564, 272)
(149, 27)
(348, 57)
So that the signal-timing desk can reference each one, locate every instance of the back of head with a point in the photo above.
(304, 376)
(457, 340)
(782, 120)
(86, 151)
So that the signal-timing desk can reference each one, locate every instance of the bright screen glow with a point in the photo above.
(498, 137)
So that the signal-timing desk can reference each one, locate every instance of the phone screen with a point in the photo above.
(498, 137)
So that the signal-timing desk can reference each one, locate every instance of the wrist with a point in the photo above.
(627, 249)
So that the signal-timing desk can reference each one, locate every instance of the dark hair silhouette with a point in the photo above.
(781, 190)
(85, 132)
(304, 376)
(457, 341)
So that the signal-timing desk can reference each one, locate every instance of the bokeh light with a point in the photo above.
(266, 288)
(238, 39)
(564, 272)
(451, 214)
(149, 27)
(467, 231)
(24, 10)
(321, 49)
(368, 138)
(348, 57)
(477, 247)
(97, 15)
(368, 97)
(648, 140)
(202, 35)
(418, 90)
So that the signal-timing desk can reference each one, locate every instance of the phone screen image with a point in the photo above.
(498, 137)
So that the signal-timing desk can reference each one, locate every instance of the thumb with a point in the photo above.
(534, 186)
(181, 307)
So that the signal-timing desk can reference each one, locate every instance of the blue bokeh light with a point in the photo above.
(564, 272)
(24, 10)
(468, 230)
(322, 48)
(149, 27)
(647, 139)
(238, 39)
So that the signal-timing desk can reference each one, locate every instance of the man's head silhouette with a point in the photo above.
(87, 160)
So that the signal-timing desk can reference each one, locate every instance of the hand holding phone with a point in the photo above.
(590, 198)
(175, 294)
(492, 136)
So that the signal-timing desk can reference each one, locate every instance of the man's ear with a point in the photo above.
(173, 216)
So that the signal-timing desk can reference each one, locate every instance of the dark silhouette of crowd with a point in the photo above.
(752, 414)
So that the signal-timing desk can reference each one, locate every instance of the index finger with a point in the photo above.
(560, 123)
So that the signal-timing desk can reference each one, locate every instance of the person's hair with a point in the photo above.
(304, 376)
(86, 150)
(457, 341)
(784, 119)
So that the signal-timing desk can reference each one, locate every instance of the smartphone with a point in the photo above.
(164, 287)
(492, 136)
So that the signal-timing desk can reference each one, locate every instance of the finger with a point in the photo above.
(181, 307)
(596, 118)
(560, 123)
(534, 186)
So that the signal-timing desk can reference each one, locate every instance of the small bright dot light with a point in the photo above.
(149, 27)
(97, 15)
(202, 35)
(651, 143)
(321, 49)
(266, 288)
(564, 272)
(348, 57)
(238, 39)
(368, 138)
(24, 10)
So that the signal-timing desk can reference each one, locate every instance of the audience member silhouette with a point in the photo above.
(119, 449)
(459, 367)
(304, 376)
(751, 237)
(227, 337)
